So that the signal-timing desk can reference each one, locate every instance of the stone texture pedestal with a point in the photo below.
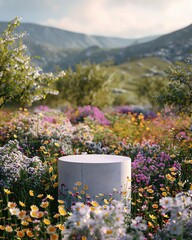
(102, 173)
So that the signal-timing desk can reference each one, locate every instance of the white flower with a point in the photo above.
(175, 228)
(14, 211)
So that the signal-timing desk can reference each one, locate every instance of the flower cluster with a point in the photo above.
(15, 166)
(180, 221)
(102, 222)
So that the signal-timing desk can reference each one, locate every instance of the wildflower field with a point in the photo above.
(34, 206)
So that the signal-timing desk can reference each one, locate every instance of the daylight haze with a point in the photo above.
(119, 18)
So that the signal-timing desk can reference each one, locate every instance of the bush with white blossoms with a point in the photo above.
(15, 166)
(102, 222)
(179, 209)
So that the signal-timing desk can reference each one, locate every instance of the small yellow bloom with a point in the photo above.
(78, 184)
(7, 191)
(53, 177)
(94, 204)
(44, 204)
(75, 188)
(22, 214)
(22, 204)
(34, 208)
(106, 201)
(62, 211)
(82, 192)
(60, 201)
(150, 224)
(50, 197)
(31, 193)
(164, 194)
(56, 144)
(60, 226)
(2, 227)
(50, 169)
(150, 190)
(152, 216)
(57, 215)
(34, 214)
(40, 195)
(20, 234)
(46, 142)
(8, 229)
(51, 229)
(29, 233)
(15, 136)
(155, 206)
(55, 184)
(54, 236)
(24, 223)
(84, 238)
(86, 187)
(46, 221)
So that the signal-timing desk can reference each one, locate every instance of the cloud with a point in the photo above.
(125, 17)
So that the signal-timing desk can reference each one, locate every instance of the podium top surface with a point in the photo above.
(94, 158)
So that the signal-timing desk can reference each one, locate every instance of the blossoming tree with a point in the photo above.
(20, 81)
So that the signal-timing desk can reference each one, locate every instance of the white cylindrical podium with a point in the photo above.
(102, 173)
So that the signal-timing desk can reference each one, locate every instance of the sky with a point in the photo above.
(114, 18)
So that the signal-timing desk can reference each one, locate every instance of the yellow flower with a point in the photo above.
(31, 193)
(22, 204)
(150, 190)
(55, 184)
(106, 201)
(50, 197)
(86, 187)
(155, 206)
(8, 229)
(150, 224)
(82, 192)
(50, 169)
(62, 211)
(40, 195)
(2, 227)
(51, 229)
(57, 215)
(24, 223)
(78, 184)
(95, 204)
(7, 191)
(46, 142)
(21, 214)
(60, 201)
(75, 188)
(40, 214)
(84, 238)
(34, 214)
(60, 226)
(152, 216)
(15, 136)
(34, 208)
(44, 204)
(20, 234)
(56, 144)
(54, 236)
(164, 194)
(29, 233)
(54, 177)
(46, 221)
(169, 177)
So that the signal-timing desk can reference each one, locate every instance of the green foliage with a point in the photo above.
(88, 84)
(178, 94)
(149, 88)
(20, 82)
